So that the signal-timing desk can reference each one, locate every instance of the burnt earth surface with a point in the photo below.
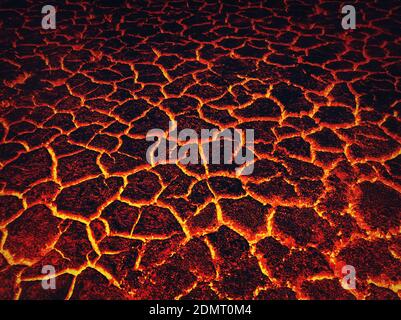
(76, 191)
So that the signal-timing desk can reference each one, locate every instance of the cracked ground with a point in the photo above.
(76, 191)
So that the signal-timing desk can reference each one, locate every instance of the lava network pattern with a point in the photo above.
(77, 192)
